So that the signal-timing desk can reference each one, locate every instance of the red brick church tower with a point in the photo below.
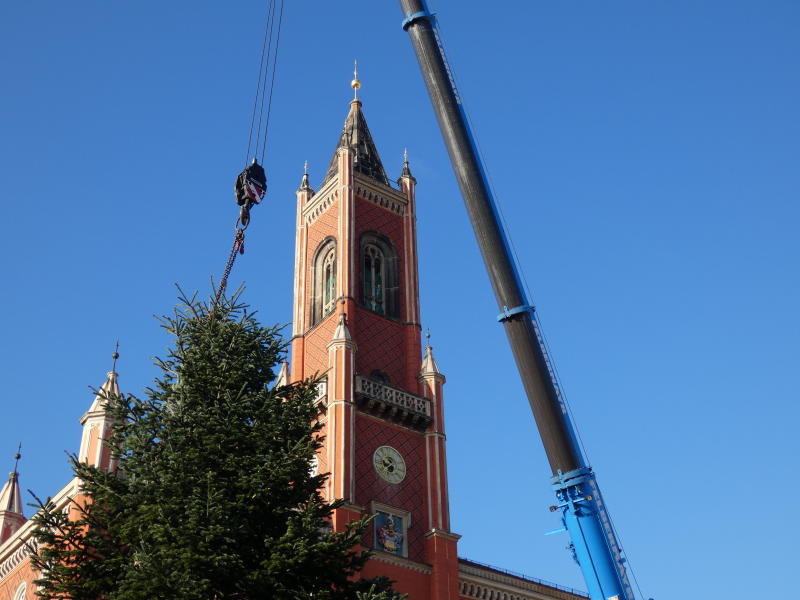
(357, 324)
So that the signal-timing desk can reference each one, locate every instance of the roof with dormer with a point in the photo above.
(356, 136)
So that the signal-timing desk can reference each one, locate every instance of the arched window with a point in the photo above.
(374, 279)
(329, 281)
(324, 275)
(379, 286)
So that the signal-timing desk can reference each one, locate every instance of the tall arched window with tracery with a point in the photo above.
(329, 282)
(374, 279)
(379, 281)
(324, 278)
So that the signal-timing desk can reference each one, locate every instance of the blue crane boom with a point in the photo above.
(583, 513)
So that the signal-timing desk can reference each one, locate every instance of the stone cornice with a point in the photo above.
(442, 534)
(15, 550)
(380, 195)
(399, 561)
(476, 581)
(321, 201)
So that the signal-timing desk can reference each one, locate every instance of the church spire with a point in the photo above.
(305, 186)
(109, 389)
(429, 366)
(11, 515)
(406, 173)
(356, 136)
(97, 424)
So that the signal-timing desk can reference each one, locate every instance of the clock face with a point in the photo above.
(389, 464)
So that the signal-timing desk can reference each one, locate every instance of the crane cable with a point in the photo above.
(251, 185)
(543, 342)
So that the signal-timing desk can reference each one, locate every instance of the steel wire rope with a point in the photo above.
(537, 321)
(271, 26)
(619, 543)
(268, 62)
(513, 248)
(259, 81)
(272, 82)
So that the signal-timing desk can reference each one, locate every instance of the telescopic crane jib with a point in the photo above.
(593, 542)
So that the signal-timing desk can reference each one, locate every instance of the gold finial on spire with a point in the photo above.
(355, 84)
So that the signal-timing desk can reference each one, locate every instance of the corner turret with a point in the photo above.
(11, 515)
(97, 426)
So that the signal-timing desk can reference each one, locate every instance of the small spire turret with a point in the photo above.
(342, 331)
(11, 511)
(97, 423)
(109, 389)
(283, 375)
(406, 172)
(305, 186)
(429, 365)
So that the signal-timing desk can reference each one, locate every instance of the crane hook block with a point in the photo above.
(251, 185)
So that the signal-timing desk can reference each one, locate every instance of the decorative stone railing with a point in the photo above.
(391, 403)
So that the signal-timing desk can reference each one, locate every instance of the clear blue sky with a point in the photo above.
(644, 153)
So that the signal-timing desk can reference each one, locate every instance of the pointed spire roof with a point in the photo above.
(406, 169)
(304, 184)
(356, 136)
(342, 331)
(108, 389)
(283, 375)
(429, 365)
(10, 495)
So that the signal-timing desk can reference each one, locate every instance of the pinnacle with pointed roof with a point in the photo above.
(429, 365)
(406, 169)
(304, 184)
(108, 389)
(10, 495)
(356, 136)
(342, 331)
(11, 515)
(283, 375)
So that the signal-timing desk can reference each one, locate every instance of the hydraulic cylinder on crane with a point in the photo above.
(593, 542)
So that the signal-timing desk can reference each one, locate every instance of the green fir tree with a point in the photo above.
(213, 497)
